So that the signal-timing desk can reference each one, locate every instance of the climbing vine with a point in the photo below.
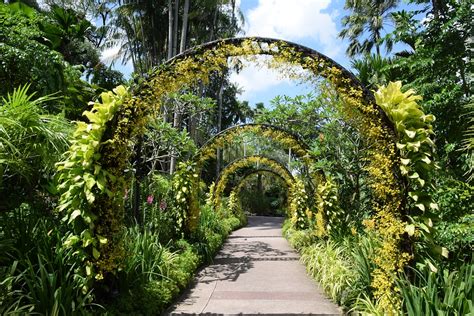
(299, 213)
(235, 207)
(186, 209)
(83, 180)
(329, 215)
(417, 152)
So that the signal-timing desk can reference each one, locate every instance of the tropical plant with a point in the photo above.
(328, 264)
(365, 25)
(40, 274)
(373, 70)
(439, 293)
(439, 72)
(31, 142)
(468, 143)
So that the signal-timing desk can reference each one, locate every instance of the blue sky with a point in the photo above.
(312, 23)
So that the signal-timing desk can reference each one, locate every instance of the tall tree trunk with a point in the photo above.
(184, 27)
(172, 47)
(175, 28)
(214, 22)
(153, 40)
(176, 125)
(220, 100)
(170, 29)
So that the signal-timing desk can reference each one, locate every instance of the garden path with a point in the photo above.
(256, 272)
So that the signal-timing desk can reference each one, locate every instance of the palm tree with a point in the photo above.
(373, 70)
(365, 25)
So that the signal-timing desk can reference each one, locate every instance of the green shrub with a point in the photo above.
(362, 250)
(38, 273)
(299, 239)
(455, 230)
(31, 142)
(441, 293)
(145, 260)
(327, 263)
(153, 274)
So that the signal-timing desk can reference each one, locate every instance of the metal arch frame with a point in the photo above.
(292, 135)
(306, 51)
(229, 165)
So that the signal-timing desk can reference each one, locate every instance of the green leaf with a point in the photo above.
(432, 267)
(89, 196)
(102, 240)
(74, 215)
(410, 133)
(95, 253)
(413, 195)
(90, 181)
(434, 206)
(405, 161)
(444, 252)
(71, 241)
(421, 206)
(410, 229)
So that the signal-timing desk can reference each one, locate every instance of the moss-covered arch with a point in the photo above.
(92, 181)
(245, 162)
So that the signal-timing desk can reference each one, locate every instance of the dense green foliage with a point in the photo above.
(31, 142)
(63, 253)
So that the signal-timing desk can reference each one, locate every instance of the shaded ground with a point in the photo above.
(256, 272)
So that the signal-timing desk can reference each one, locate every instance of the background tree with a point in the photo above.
(365, 25)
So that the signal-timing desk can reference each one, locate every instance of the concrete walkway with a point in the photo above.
(256, 272)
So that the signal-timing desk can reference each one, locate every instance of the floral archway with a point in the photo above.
(92, 175)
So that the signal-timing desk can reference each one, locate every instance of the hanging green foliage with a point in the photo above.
(417, 151)
(82, 180)
(329, 216)
(185, 181)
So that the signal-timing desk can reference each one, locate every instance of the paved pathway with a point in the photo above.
(256, 272)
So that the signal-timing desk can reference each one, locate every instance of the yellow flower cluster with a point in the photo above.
(298, 209)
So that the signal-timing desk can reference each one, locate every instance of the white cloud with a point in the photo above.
(254, 79)
(295, 20)
(110, 55)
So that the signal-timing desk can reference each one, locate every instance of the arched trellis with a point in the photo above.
(92, 176)
(260, 171)
(246, 176)
(280, 135)
(246, 162)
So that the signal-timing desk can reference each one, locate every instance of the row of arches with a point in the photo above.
(94, 208)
